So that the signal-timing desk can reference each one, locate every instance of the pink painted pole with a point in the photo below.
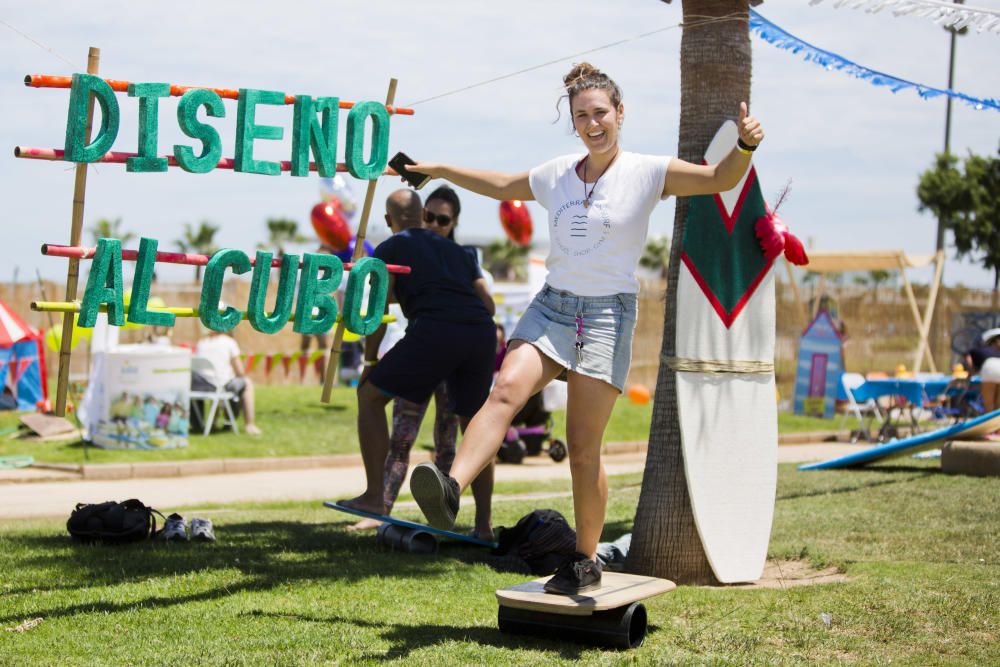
(188, 259)
(117, 157)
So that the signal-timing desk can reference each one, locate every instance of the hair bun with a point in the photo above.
(579, 71)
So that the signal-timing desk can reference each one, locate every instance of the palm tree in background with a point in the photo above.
(281, 232)
(506, 260)
(656, 255)
(105, 228)
(715, 78)
(200, 241)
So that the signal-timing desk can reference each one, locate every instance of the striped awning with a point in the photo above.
(12, 328)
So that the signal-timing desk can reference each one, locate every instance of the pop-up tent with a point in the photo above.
(22, 360)
(885, 260)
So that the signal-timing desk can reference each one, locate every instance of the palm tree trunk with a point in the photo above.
(996, 289)
(715, 78)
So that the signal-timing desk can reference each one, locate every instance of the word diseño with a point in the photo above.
(310, 131)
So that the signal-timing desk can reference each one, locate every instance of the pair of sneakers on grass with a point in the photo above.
(438, 495)
(176, 529)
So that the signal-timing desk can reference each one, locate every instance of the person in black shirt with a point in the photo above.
(984, 361)
(450, 337)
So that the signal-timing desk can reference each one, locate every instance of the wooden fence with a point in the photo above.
(878, 324)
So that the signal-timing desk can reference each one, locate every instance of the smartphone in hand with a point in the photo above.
(399, 162)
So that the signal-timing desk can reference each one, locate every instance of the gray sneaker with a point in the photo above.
(175, 529)
(436, 495)
(201, 530)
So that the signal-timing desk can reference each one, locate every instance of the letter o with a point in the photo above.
(377, 295)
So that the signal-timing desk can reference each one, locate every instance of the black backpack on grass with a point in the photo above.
(538, 543)
(112, 522)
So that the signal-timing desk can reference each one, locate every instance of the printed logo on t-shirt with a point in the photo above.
(578, 230)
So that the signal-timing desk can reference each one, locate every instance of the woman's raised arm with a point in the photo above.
(495, 184)
(685, 179)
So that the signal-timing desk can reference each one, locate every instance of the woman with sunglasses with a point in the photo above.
(440, 215)
(581, 323)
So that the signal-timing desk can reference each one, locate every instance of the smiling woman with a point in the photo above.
(580, 325)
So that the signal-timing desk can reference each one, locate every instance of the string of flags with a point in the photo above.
(302, 359)
(947, 14)
(782, 39)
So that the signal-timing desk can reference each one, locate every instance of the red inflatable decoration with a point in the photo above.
(330, 224)
(516, 221)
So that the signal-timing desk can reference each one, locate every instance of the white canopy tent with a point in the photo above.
(885, 260)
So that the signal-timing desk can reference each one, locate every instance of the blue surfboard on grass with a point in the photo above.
(451, 535)
(973, 428)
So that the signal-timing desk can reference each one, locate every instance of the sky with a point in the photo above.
(852, 151)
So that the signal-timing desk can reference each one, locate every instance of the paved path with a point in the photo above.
(57, 498)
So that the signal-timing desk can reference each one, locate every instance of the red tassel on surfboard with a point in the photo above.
(775, 238)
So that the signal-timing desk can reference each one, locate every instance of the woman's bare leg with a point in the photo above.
(587, 413)
(482, 493)
(524, 372)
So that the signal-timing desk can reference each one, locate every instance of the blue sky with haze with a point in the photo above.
(853, 151)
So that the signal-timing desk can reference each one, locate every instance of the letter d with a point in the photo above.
(77, 148)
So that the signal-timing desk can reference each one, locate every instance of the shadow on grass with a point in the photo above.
(268, 554)
(860, 486)
(405, 639)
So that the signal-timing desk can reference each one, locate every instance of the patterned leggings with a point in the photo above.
(406, 419)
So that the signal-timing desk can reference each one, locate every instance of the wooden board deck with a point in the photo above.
(48, 427)
(617, 590)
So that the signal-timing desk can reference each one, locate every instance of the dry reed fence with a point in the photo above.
(879, 324)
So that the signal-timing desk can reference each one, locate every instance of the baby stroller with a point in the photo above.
(529, 432)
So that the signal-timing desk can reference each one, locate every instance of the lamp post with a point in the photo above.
(943, 222)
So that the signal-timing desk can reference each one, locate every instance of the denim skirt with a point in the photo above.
(590, 335)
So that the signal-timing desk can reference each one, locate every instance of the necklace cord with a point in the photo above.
(586, 195)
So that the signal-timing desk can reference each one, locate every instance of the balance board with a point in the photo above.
(728, 420)
(451, 535)
(974, 428)
(609, 616)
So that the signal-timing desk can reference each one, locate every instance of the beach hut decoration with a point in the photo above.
(22, 361)
(819, 367)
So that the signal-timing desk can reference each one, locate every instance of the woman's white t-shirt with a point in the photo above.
(594, 250)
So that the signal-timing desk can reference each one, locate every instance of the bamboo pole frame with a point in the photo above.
(917, 319)
(333, 365)
(922, 322)
(800, 305)
(76, 231)
(75, 253)
(923, 347)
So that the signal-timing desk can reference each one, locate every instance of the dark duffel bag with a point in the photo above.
(112, 522)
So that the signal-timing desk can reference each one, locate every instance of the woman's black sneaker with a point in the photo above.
(577, 574)
(436, 494)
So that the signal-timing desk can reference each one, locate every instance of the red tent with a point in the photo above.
(22, 360)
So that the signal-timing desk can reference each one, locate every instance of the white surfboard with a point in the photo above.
(728, 421)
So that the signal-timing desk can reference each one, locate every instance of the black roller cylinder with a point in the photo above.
(621, 628)
(402, 538)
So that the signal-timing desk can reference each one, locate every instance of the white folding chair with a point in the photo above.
(206, 369)
(859, 411)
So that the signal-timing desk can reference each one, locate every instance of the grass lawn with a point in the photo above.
(287, 584)
(296, 423)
